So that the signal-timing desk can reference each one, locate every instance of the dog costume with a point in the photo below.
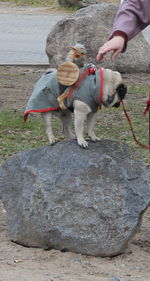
(47, 89)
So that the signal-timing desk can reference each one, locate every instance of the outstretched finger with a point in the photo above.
(102, 52)
(99, 56)
(115, 54)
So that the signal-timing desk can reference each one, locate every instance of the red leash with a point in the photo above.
(129, 121)
(147, 107)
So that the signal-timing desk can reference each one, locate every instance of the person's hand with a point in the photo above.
(115, 44)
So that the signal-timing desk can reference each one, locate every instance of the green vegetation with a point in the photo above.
(45, 3)
(17, 135)
(51, 4)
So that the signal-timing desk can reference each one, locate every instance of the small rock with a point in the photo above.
(136, 267)
(114, 278)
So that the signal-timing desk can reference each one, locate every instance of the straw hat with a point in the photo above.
(68, 73)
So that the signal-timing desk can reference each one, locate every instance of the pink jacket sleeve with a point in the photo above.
(132, 17)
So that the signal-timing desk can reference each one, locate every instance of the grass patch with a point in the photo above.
(114, 125)
(43, 3)
(16, 135)
(40, 3)
(50, 3)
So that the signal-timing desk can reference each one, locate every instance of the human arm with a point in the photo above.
(132, 17)
(116, 44)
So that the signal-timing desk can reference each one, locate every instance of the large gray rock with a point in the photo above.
(65, 197)
(91, 26)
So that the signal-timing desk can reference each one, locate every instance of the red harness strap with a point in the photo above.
(129, 121)
(90, 71)
(77, 84)
(101, 87)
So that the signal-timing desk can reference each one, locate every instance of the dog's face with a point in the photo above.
(121, 91)
(114, 88)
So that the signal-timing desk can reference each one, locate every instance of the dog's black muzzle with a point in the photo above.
(117, 104)
(121, 91)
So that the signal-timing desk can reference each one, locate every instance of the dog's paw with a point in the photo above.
(53, 140)
(94, 138)
(83, 143)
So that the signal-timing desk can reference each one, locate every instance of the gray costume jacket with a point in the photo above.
(46, 91)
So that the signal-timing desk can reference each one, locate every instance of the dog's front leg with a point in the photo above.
(81, 110)
(91, 118)
(47, 116)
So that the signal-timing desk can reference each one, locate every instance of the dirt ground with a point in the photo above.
(18, 263)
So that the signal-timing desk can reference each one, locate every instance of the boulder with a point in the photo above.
(88, 201)
(91, 27)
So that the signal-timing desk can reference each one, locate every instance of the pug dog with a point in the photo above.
(84, 102)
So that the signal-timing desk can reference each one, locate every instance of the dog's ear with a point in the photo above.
(121, 90)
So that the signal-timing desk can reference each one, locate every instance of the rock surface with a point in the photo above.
(91, 26)
(64, 197)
